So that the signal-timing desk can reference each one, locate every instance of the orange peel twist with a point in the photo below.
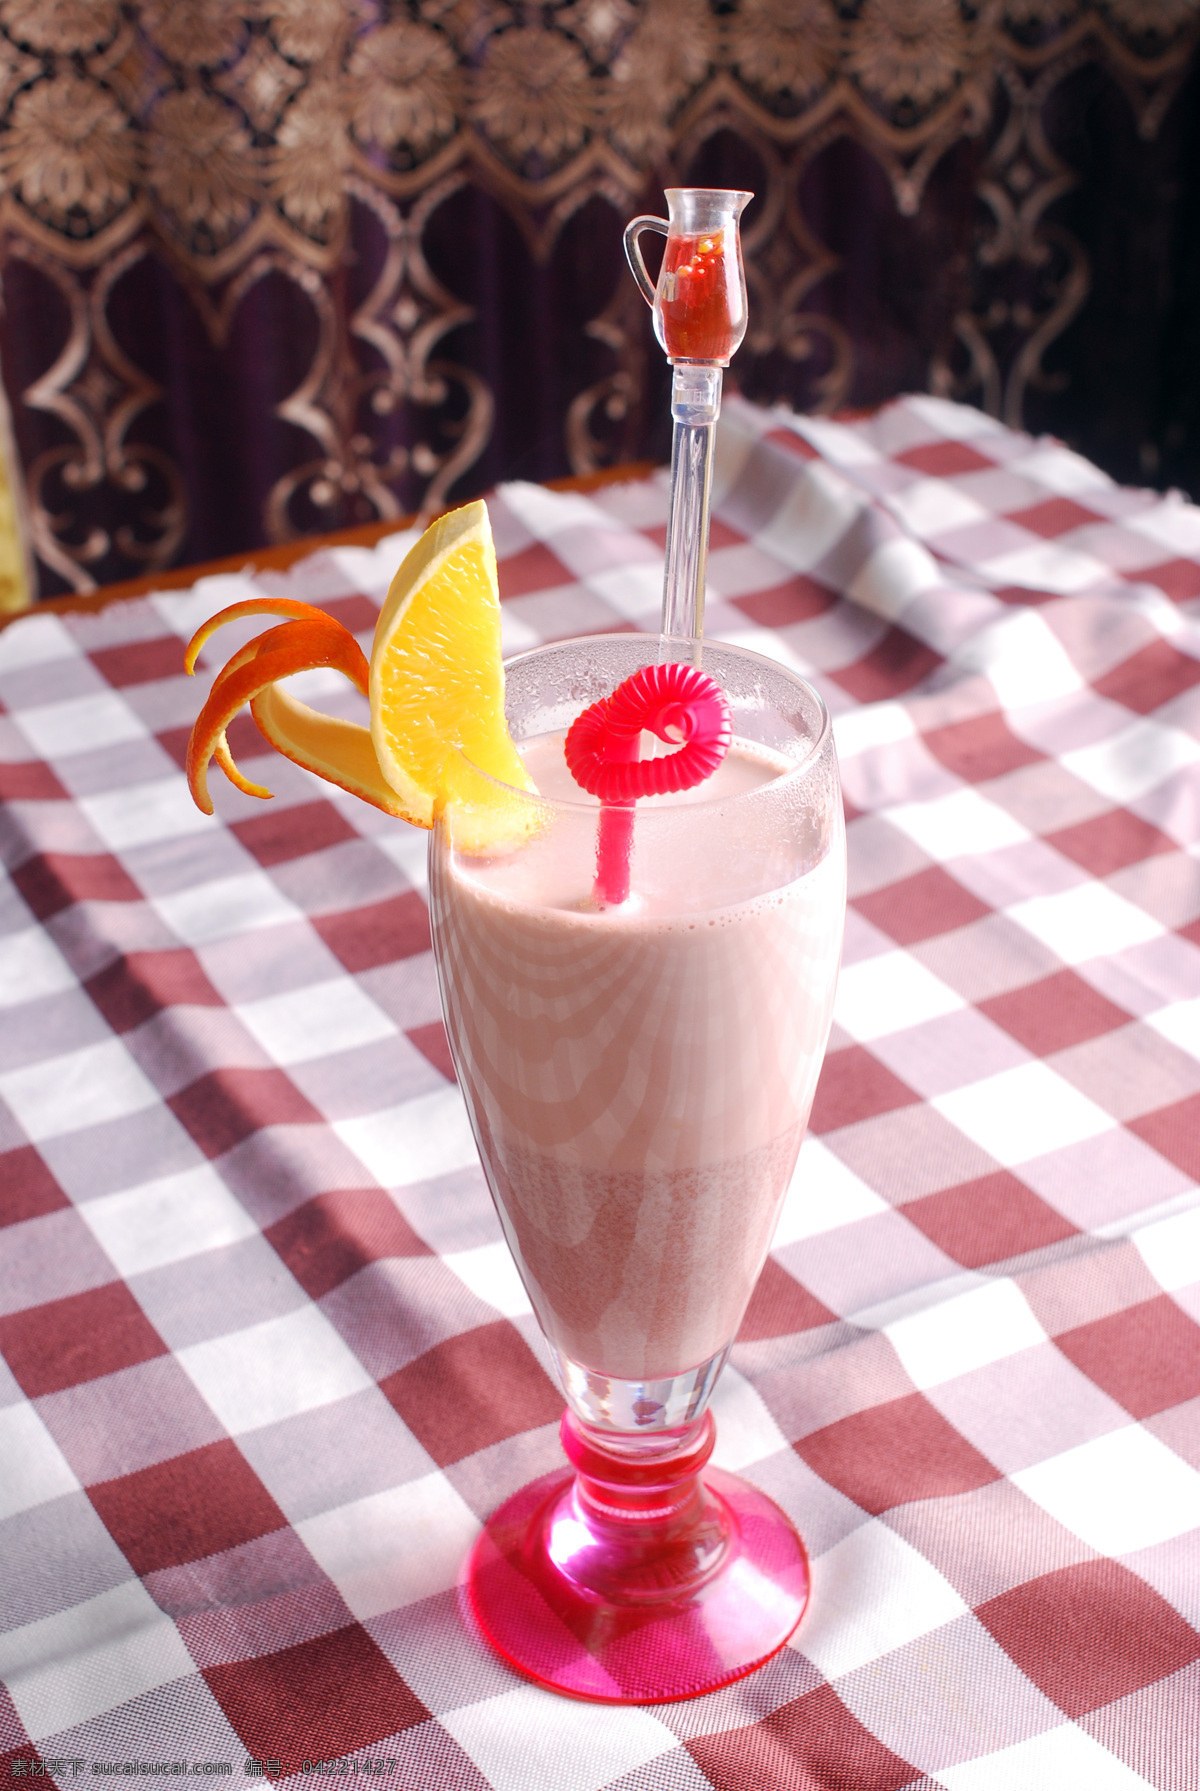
(339, 751)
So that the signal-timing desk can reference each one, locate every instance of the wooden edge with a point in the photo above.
(278, 558)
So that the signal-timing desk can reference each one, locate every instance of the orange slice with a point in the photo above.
(435, 685)
(437, 682)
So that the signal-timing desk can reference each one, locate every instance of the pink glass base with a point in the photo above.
(638, 1580)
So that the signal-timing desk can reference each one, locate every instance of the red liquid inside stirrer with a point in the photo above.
(700, 298)
(674, 702)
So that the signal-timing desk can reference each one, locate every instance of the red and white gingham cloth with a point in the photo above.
(268, 1362)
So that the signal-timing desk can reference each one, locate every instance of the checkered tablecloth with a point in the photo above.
(266, 1363)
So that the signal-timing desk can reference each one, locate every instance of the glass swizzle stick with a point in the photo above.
(699, 310)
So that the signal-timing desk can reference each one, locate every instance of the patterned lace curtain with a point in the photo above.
(278, 266)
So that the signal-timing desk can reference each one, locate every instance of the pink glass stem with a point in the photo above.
(640, 1575)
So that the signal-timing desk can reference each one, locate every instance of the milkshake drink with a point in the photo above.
(639, 1077)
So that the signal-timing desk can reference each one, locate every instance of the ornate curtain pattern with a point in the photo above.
(275, 266)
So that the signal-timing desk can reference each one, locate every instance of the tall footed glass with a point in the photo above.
(639, 1077)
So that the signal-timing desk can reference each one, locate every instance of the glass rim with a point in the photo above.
(680, 801)
(709, 192)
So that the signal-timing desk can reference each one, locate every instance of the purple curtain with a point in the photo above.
(273, 267)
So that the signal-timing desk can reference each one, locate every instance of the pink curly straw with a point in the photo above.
(674, 702)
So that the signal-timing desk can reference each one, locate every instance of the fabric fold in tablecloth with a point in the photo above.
(266, 1362)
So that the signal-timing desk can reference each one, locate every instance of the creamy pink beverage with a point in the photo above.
(640, 1077)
